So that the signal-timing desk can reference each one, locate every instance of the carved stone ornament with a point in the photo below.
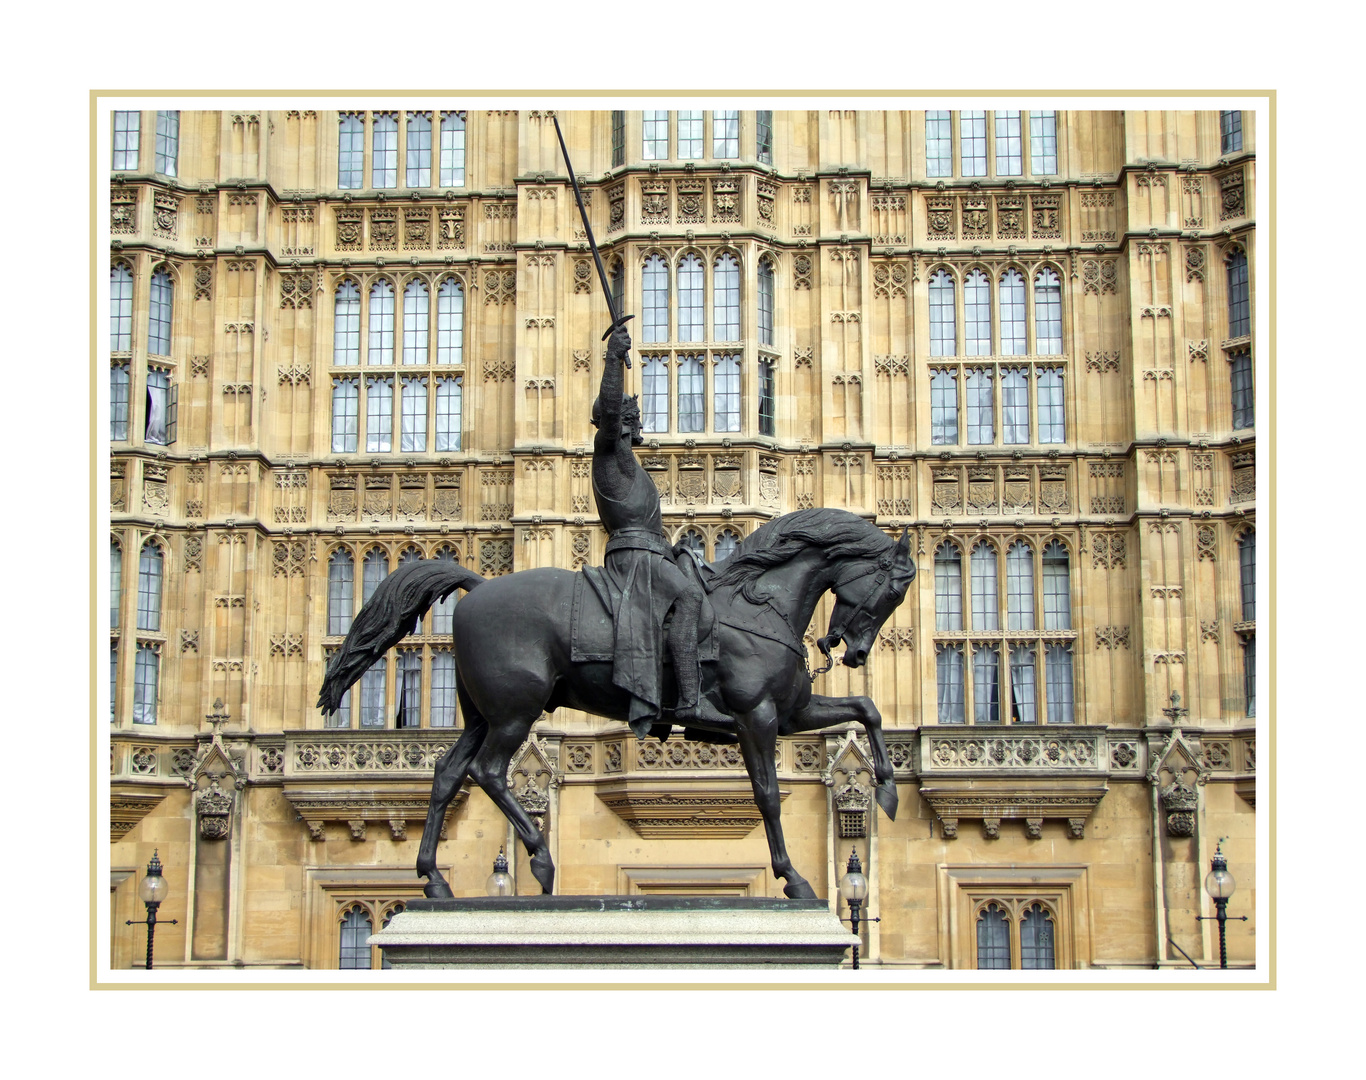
(1179, 803)
(213, 808)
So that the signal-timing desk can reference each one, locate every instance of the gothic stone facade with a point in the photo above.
(342, 339)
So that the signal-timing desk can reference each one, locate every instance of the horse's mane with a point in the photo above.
(838, 533)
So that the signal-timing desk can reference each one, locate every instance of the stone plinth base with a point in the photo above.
(614, 932)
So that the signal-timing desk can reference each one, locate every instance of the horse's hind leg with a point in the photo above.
(758, 731)
(450, 774)
(490, 771)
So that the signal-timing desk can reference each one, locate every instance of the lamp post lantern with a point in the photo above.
(854, 888)
(500, 881)
(152, 890)
(1219, 883)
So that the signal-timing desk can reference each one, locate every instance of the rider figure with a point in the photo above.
(639, 563)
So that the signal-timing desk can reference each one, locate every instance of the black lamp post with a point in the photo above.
(152, 890)
(854, 889)
(1219, 884)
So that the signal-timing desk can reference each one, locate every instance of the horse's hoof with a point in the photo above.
(799, 890)
(438, 890)
(887, 798)
(544, 873)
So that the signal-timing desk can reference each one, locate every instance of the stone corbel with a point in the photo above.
(391, 807)
(1029, 800)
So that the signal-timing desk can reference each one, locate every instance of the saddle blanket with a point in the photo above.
(590, 625)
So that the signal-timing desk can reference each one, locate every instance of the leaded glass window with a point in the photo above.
(693, 542)
(1009, 153)
(341, 591)
(949, 684)
(618, 282)
(374, 570)
(981, 418)
(384, 150)
(655, 305)
(1047, 313)
(1043, 142)
(1250, 674)
(1247, 575)
(1014, 340)
(1022, 685)
(443, 689)
(161, 302)
(768, 400)
(993, 939)
(986, 605)
(943, 408)
(1052, 424)
(725, 134)
(1057, 588)
(972, 142)
(126, 138)
(372, 695)
(1230, 131)
(726, 299)
(977, 314)
(168, 142)
(379, 414)
(986, 684)
(726, 543)
(726, 394)
(654, 387)
(345, 415)
(691, 302)
(158, 407)
(943, 329)
(948, 588)
(356, 928)
(691, 394)
(342, 717)
(1019, 587)
(418, 150)
(450, 322)
(1036, 939)
(452, 149)
(765, 302)
(763, 135)
(413, 433)
(690, 134)
(115, 582)
(1058, 672)
(120, 308)
(350, 151)
(443, 611)
(1239, 310)
(938, 143)
(449, 408)
(1240, 372)
(118, 402)
(381, 350)
(415, 323)
(113, 681)
(1014, 406)
(346, 325)
(409, 681)
(618, 137)
(655, 134)
(146, 675)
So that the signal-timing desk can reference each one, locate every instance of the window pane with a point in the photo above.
(113, 681)
(419, 150)
(384, 150)
(765, 303)
(1019, 587)
(1008, 148)
(1013, 338)
(993, 940)
(691, 394)
(938, 143)
(159, 315)
(977, 314)
(126, 138)
(1240, 371)
(1058, 668)
(655, 135)
(118, 402)
(763, 140)
(986, 608)
(450, 323)
(1239, 312)
(168, 142)
(692, 540)
(409, 706)
(1047, 314)
(1036, 939)
(1015, 406)
(443, 612)
(1057, 590)
(690, 134)
(379, 415)
(341, 586)
(725, 134)
(768, 401)
(115, 583)
(346, 325)
(120, 308)
(146, 673)
(726, 543)
(448, 413)
(726, 394)
(413, 435)
(158, 406)
(654, 385)
(986, 684)
(1043, 142)
(948, 589)
(943, 408)
(452, 149)
(618, 137)
(350, 150)
(381, 350)
(981, 419)
(972, 141)
(655, 301)
(691, 309)
(1052, 428)
(342, 717)
(1247, 574)
(949, 680)
(726, 299)
(415, 312)
(1022, 679)
(942, 315)
(374, 570)
(443, 689)
(1230, 131)
(355, 933)
(1250, 675)
(372, 696)
(345, 415)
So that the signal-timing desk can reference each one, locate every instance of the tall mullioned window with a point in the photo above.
(1240, 372)
(381, 347)
(726, 299)
(159, 314)
(419, 150)
(981, 410)
(350, 150)
(972, 142)
(341, 592)
(146, 680)
(977, 314)
(452, 149)
(413, 406)
(1239, 307)
(948, 588)
(943, 331)
(766, 302)
(725, 134)
(168, 142)
(1043, 142)
(120, 308)
(115, 582)
(654, 135)
(1047, 313)
(943, 408)
(692, 397)
(691, 300)
(345, 415)
(763, 136)
(118, 402)
(158, 428)
(618, 137)
(1230, 131)
(655, 311)
(654, 389)
(691, 138)
(384, 150)
(1247, 575)
(126, 138)
(768, 399)
(450, 322)
(379, 414)
(938, 143)
(415, 323)
(1009, 161)
(727, 394)
(149, 587)
(1014, 338)
(449, 412)
(346, 324)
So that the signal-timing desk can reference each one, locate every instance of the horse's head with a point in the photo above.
(866, 593)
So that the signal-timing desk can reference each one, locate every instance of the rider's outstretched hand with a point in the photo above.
(619, 345)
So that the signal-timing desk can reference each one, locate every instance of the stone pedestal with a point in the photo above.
(615, 932)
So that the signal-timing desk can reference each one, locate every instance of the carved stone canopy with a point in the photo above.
(129, 804)
(684, 809)
(1031, 800)
(389, 805)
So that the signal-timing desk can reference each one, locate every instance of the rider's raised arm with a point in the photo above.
(611, 390)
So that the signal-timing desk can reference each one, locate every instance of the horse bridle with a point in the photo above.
(881, 568)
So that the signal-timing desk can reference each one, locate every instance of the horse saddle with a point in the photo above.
(590, 625)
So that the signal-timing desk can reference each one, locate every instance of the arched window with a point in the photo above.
(158, 428)
(149, 587)
(350, 150)
(691, 300)
(381, 352)
(115, 582)
(1018, 932)
(726, 394)
(727, 540)
(1241, 397)
(768, 398)
(655, 301)
(618, 282)
(384, 150)
(415, 313)
(949, 682)
(120, 308)
(1247, 574)
(766, 334)
(986, 613)
(356, 929)
(943, 330)
(1047, 313)
(452, 149)
(159, 314)
(1036, 938)
(1250, 674)
(419, 150)
(763, 135)
(449, 407)
(654, 387)
(691, 394)
(692, 540)
(341, 591)
(168, 141)
(388, 918)
(113, 681)
(346, 325)
(1057, 588)
(411, 555)
(146, 678)
(450, 322)
(374, 570)
(443, 611)
(1239, 308)
(993, 939)
(345, 415)
(1014, 340)
(119, 389)
(1015, 405)
(977, 314)
(726, 299)
(379, 414)
(1019, 587)
(948, 588)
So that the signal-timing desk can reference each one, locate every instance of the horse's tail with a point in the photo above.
(387, 618)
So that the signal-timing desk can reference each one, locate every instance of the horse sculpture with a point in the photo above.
(513, 662)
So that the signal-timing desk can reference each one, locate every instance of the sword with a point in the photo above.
(617, 318)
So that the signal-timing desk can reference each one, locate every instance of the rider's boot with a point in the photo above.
(692, 706)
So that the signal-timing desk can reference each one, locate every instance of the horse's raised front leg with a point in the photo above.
(827, 711)
(758, 731)
(450, 774)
